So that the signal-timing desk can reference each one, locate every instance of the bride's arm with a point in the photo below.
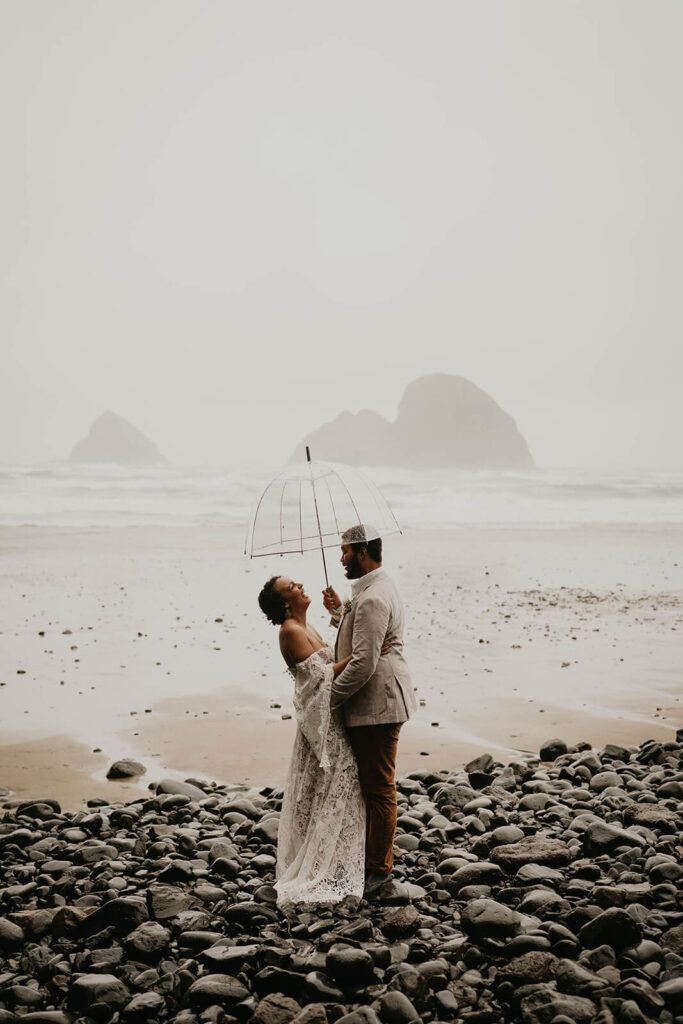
(341, 665)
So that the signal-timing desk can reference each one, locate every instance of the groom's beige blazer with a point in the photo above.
(373, 689)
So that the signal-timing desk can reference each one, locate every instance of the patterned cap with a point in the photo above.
(360, 534)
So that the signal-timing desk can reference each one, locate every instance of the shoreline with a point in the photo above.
(148, 643)
(78, 774)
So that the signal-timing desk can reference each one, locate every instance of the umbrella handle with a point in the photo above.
(317, 516)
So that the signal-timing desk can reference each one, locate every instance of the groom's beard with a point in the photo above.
(353, 569)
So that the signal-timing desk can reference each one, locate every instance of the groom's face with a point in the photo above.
(352, 566)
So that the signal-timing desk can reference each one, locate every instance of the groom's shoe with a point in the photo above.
(374, 880)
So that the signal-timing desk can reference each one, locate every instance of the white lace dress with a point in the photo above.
(321, 840)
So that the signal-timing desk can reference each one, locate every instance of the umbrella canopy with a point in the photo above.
(309, 505)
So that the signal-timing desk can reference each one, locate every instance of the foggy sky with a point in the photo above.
(228, 221)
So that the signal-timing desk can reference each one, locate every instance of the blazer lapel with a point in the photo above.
(343, 623)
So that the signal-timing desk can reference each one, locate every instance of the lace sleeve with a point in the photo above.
(312, 688)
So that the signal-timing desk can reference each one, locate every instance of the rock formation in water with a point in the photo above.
(442, 420)
(113, 439)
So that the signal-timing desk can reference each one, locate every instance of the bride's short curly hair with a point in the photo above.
(272, 604)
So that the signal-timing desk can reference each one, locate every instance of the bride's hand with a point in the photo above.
(386, 647)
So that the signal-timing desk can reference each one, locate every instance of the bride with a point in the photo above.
(321, 839)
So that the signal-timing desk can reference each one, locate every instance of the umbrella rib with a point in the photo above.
(301, 528)
(381, 500)
(350, 499)
(254, 518)
(334, 511)
(282, 498)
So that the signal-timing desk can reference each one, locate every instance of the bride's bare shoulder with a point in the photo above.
(291, 629)
(295, 642)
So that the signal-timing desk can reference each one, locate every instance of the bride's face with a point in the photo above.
(294, 594)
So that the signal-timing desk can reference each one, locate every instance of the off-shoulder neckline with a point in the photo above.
(325, 647)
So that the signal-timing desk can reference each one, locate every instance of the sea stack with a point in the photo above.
(113, 439)
(443, 420)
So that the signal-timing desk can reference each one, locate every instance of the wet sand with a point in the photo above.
(152, 645)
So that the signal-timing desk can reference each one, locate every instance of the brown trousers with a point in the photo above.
(375, 749)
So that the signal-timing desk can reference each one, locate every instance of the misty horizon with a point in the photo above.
(230, 223)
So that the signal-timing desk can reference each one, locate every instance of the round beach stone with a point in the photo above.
(126, 768)
(216, 988)
(530, 968)
(407, 842)
(11, 936)
(531, 874)
(482, 763)
(545, 1006)
(144, 1005)
(671, 992)
(543, 902)
(267, 830)
(275, 1008)
(672, 939)
(603, 780)
(401, 923)
(652, 816)
(319, 987)
(183, 788)
(412, 983)
(313, 1013)
(167, 901)
(149, 941)
(506, 834)
(450, 865)
(348, 965)
(552, 749)
(614, 927)
(673, 789)
(67, 921)
(480, 873)
(361, 1015)
(603, 836)
(615, 752)
(98, 988)
(221, 959)
(396, 1008)
(488, 919)
(534, 802)
(577, 980)
(666, 872)
(532, 850)
(123, 913)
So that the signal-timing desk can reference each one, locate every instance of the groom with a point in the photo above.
(375, 693)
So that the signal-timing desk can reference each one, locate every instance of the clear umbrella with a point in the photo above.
(309, 505)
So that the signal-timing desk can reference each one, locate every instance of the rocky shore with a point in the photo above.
(542, 891)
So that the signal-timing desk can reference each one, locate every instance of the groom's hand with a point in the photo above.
(331, 599)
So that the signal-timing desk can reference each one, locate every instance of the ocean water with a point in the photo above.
(61, 494)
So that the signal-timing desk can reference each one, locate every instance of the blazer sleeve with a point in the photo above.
(369, 629)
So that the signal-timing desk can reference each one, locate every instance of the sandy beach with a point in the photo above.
(149, 642)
